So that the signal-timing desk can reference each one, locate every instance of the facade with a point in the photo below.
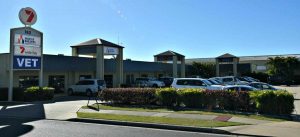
(244, 63)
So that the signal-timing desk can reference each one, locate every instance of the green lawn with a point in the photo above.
(158, 120)
(177, 110)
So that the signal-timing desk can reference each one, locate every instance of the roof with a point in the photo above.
(96, 42)
(227, 55)
(169, 53)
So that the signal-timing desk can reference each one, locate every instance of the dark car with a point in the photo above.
(167, 80)
(262, 86)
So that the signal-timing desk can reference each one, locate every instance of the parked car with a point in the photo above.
(239, 88)
(231, 80)
(262, 86)
(167, 80)
(214, 81)
(250, 79)
(150, 82)
(194, 83)
(87, 86)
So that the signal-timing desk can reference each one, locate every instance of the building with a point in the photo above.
(233, 65)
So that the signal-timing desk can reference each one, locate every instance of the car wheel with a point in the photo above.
(70, 92)
(89, 93)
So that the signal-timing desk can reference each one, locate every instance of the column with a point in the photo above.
(183, 67)
(175, 66)
(155, 58)
(217, 68)
(100, 63)
(119, 69)
(235, 66)
(74, 52)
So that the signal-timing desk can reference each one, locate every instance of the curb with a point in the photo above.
(150, 125)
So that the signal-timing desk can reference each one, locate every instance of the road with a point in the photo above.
(11, 127)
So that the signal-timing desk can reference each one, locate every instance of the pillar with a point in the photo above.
(175, 66)
(155, 59)
(100, 63)
(119, 69)
(217, 68)
(235, 62)
(183, 67)
(74, 52)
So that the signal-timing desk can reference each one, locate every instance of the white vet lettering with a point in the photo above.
(27, 62)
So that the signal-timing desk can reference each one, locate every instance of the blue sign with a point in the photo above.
(27, 62)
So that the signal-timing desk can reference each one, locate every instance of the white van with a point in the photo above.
(194, 83)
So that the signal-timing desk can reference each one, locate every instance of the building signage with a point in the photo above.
(111, 50)
(27, 16)
(26, 62)
(21, 39)
(22, 50)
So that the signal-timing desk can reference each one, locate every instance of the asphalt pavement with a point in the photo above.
(12, 127)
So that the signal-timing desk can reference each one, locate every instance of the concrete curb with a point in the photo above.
(150, 125)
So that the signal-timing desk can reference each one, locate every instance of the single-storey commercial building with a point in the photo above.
(61, 71)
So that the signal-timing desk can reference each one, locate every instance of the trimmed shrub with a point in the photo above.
(140, 96)
(38, 93)
(273, 102)
(192, 98)
(167, 96)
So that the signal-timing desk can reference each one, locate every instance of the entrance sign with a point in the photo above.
(26, 48)
(27, 16)
(111, 50)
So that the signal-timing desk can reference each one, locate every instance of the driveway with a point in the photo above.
(60, 108)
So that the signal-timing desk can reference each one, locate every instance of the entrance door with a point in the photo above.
(57, 82)
(109, 80)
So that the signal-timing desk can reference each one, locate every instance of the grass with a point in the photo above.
(158, 120)
(184, 111)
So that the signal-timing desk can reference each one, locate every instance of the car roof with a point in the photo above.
(258, 83)
(230, 86)
(189, 79)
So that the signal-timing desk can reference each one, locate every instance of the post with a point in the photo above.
(99, 62)
(120, 68)
(234, 66)
(11, 70)
(183, 67)
(217, 68)
(74, 52)
(41, 69)
(175, 66)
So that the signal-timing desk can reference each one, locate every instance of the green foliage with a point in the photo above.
(273, 102)
(191, 97)
(283, 66)
(38, 93)
(205, 70)
(167, 96)
(129, 95)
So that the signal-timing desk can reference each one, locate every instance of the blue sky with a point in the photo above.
(195, 28)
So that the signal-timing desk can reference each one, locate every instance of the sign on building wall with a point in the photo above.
(111, 50)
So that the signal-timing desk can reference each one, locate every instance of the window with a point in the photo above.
(88, 82)
(196, 83)
(57, 82)
(264, 86)
(81, 77)
(28, 81)
(256, 85)
(227, 80)
(182, 82)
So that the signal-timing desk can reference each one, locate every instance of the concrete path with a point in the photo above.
(178, 115)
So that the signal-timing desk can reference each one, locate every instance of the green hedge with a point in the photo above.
(167, 96)
(273, 102)
(38, 93)
(129, 95)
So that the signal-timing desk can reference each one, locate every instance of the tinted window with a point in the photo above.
(256, 85)
(265, 86)
(196, 83)
(227, 80)
(246, 89)
(86, 82)
(182, 82)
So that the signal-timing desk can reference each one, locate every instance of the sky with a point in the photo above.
(194, 28)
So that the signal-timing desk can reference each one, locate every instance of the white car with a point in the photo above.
(87, 86)
(179, 83)
(150, 82)
(231, 80)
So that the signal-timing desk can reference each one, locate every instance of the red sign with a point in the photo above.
(27, 16)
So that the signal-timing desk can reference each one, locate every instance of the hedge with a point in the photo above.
(273, 102)
(29, 94)
(167, 96)
(270, 102)
(141, 96)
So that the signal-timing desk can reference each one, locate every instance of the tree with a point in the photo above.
(204, 70)
(283, 67)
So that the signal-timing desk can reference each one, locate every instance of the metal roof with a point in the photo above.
(97, 41)
(169, 53)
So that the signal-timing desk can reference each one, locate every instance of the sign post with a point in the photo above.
(26, 48)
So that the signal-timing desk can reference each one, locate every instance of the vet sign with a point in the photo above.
(22, 62)
(110, 51)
